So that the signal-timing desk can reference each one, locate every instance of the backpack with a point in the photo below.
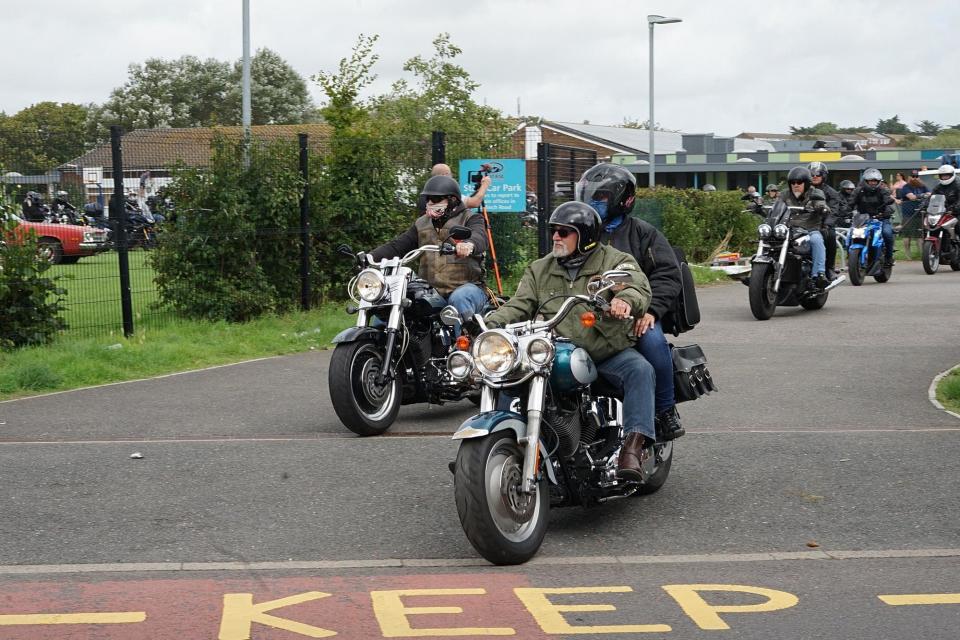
(685, 313)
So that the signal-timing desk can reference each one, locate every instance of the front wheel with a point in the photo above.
(363, 406)
(504, 525)
(763, 300)
(854, 268)
(930, 257)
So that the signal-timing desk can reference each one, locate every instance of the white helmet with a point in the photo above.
(944, 170)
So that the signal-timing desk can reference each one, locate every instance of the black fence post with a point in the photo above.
(118, 213)
(543, 196)
(438, 148)
(304, 226)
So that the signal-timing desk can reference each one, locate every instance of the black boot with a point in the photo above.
(632, 456)
(668, 425)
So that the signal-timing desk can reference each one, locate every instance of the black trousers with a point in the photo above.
(830, 240)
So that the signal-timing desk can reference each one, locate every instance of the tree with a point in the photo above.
(891, 125)
(821, 128)
(42, 136)
(928, 128)
(633, 123)
(946, 139)
(278, 94)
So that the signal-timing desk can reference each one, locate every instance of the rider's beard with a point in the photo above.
(560, 250)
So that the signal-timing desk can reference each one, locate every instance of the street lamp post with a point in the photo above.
(651, 21)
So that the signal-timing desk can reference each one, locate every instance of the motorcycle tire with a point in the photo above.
(763, 300)
(361, 406)
(854, 268)
(500, 525)
(955, 259)
(930, 258)
(817, 302)
(884, 274)
(664, 452)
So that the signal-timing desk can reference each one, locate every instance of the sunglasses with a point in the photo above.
(436, 199)
(563, 232)
(797, 181)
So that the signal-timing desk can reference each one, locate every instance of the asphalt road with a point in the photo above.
(820, 469)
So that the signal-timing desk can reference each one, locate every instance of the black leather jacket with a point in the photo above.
(834, 203)
(877, 202)
(815, 204)
(952, 193)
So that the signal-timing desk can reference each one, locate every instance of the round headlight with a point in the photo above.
(764, 230)
(780, 231)
(369, 285)
(540, 351)
(495, 353)
(459, 365)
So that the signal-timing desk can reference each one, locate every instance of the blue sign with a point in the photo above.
(508, 182)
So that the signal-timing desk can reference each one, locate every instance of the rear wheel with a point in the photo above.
(955, 258)
(884, 274)
(763, 300)
(930, 258)
(812, 304)
(854, 268)
(363, 406)
(663, 453)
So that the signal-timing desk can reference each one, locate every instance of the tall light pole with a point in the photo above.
(652, 156)
(245, 75)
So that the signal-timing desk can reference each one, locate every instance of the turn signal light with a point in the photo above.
(463, 343)
(588, 319)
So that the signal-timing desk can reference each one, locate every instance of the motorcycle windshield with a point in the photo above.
(937, 205)
(779, 214)
(860, 219)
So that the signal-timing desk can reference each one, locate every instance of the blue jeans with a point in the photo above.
(469, 299)
(634, 377)
(654, 348)
(887, 233)
(819, 253)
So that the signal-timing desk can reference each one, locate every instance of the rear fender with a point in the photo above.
(483, 424)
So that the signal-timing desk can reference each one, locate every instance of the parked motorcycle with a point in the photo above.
(401, 359)
(782, 267)
(557, 448)
(865, 250)
(940, 242)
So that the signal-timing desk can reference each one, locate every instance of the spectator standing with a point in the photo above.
(909, 196)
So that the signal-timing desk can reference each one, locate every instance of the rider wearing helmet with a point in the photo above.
(460, 277)
(875, 200)
(577, 257)
(611, 189)
(33, 208)
(846, 200)
(801, 193)
(910, 196)
(818, 178)
(948, 186)
(709, 187)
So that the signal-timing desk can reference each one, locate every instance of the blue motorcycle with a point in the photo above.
(865, 250)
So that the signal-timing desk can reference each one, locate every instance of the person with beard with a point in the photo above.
(578, 257)
(611, 190)
(801, 193)
(818, 179)
(910, 195)
(459, 278)
(875, 200)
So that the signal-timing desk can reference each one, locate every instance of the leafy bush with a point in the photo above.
(30, 303)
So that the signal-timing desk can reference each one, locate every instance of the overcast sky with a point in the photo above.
(730, 66)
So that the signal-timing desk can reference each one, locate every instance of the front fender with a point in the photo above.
(762, 259)
(353, 334)
(483, 424)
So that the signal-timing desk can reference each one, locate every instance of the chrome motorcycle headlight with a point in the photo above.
(764, 231)
(370, 285)
(933, 220)
(459, 364)
(780, 231)
(859, 232)
(495, 353)
(540, 351)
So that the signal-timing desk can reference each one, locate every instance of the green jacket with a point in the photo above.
(545, 278)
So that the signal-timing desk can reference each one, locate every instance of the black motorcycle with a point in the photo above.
(396, 354)
(781, 273)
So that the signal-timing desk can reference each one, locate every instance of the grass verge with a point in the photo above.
(706, 276)
(948, 391)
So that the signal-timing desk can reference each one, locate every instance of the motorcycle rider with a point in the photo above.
(33, 208)
(611, 190)
(458, 278)
(846, 201)
(773, 193)
(801, 193)
(910, 196)
(874, 199)
(948, 187)
(818, 178)
(577, 257)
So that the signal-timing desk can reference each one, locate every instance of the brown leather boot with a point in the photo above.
(632, 455)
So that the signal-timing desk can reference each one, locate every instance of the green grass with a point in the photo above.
(73, 362)
(948, 391)
(703, 275)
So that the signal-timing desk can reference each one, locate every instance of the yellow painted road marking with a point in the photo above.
(922, 598)
(239, 614)
(73, 618)
(705, 615)
(392, 614)
(548, 614)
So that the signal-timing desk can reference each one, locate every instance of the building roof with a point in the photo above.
(160, 148)
(621, 139)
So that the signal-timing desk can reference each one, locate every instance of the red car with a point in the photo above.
(64, 243)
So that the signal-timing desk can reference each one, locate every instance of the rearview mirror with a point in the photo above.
(460, 232)
(450, 316)
(618, 276)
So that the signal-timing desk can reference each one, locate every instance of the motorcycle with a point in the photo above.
(556, 447)
(781, 269)
(940, 242)
(865, 250)
(402, 358)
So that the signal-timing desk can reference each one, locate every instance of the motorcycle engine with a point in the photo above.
(564, 422)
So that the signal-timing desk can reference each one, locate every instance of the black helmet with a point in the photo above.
(441, 186)
(799, 173)
(709, 187)
(846, 185)
(619, 185)
(817, 168)
(583, 219)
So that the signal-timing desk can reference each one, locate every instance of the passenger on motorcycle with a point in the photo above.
(610, 190)
(875, 200)
(948, 187)
(801, 193)
(773, 193)
(577, 257)
(460, 277)
(818, 178)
